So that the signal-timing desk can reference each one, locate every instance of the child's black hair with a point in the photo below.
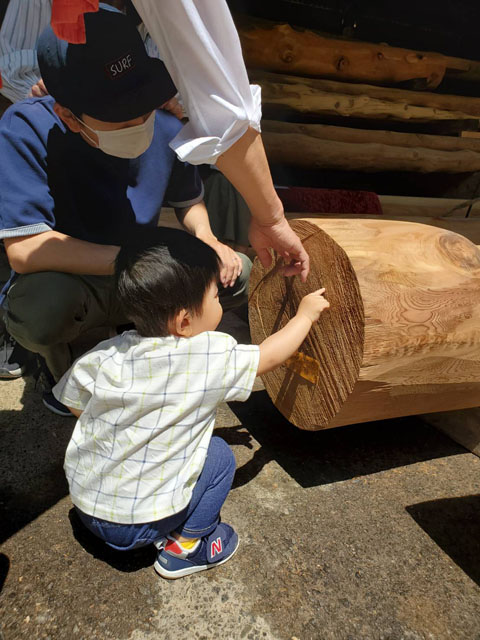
(161, 271)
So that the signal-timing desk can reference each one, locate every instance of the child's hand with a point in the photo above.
(313, 304)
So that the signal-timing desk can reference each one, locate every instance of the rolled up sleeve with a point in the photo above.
(199, 44)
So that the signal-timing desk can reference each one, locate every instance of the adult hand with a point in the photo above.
(280, 237)
(38, 90)
(231, 263)
(174, 106)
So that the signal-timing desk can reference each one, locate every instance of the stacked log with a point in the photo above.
(331, 147)
(402, 335)
(309, 86)
(278, 47)
(319, 83)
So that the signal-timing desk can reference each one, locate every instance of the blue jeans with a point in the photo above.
(199, 519)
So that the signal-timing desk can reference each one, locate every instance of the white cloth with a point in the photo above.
(149, 408)
(23, 22)
(199, 44)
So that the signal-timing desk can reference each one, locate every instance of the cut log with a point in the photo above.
(278, 47)
(298, 98)
(300, 150)
(402, 335)
(466, 227)
(362, 136)
(463, 104)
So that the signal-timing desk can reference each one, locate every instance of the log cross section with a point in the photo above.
(402, 336)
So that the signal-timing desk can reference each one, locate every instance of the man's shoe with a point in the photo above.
(13, 358)
(173, 561)
(55, 406)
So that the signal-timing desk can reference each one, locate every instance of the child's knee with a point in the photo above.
(221, 452)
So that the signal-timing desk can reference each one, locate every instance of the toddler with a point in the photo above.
(142, 465)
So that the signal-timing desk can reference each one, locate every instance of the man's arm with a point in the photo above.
(54, 251)
(195, 220)
(245, 165)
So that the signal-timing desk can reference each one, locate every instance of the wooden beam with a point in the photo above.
(299, 98)
(366, 136)
(467, 105)
(301, 150)
(278, 47)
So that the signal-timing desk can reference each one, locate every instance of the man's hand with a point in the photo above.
(174, 106)
(280, 237)
(231, 263)
(38, 90)
(312, 305)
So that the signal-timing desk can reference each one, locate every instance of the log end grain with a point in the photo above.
(310, 389)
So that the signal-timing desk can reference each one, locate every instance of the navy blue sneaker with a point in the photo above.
(55, 405)
(173, 561)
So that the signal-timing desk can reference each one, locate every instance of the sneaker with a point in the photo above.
(13, 358)
(55, 406)
(173, 561)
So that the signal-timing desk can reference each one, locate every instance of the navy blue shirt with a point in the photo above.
(52, 179)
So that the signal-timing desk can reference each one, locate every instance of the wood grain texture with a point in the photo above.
(274, 300)
(465, 104)
(303, 150)
(278, 47)
(302, 99)
(466, 227)
(365, 136)
(420, 293)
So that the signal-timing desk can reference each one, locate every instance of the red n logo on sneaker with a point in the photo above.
(216, 547)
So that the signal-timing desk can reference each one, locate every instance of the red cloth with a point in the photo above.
(67, 19)
(309, 200)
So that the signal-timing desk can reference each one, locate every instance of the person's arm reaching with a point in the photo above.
(195, 220)
(201, 49)
(245, 165)
(278, 347)
(54, 251)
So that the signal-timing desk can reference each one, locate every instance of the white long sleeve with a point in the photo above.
(200, 47)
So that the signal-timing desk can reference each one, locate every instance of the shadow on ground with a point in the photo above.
(321, 457)
(32, 448)
(454, 525)
(126, 561)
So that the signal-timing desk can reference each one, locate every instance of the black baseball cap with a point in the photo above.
(111, 77)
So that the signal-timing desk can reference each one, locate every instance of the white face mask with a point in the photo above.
(130, 142)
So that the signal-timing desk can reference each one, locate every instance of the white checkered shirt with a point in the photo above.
(149, 408)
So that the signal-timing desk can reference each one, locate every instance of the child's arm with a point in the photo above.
(76, 412)
(278, 347)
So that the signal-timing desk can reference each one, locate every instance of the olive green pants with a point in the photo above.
(47, 311)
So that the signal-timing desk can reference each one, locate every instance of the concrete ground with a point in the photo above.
(363, 532)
